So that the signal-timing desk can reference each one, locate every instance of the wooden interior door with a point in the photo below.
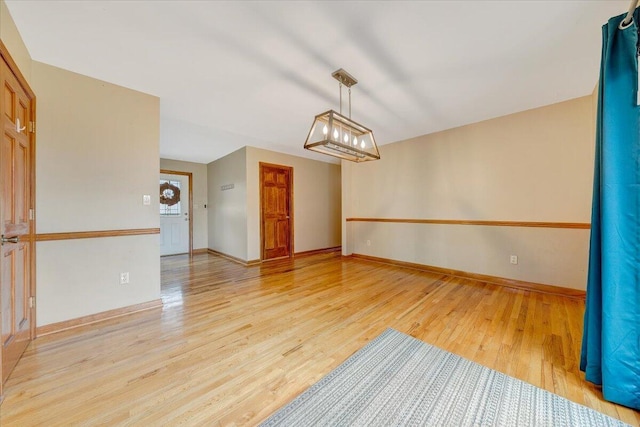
(276, 213)
(16, 201)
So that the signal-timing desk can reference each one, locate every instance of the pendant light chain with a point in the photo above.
(340, 84)
(349, 102)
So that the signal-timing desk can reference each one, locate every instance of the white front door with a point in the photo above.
(174, 214)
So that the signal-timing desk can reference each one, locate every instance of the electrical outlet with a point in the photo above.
(146, 199)
(124, 278)
(513, 259)
(368, 242)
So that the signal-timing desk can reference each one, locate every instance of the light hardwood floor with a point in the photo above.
(232, 344)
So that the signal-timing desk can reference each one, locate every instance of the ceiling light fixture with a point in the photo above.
(339, 136)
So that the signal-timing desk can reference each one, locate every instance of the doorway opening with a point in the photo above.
(176, 207)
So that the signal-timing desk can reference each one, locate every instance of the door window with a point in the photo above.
(170, 198)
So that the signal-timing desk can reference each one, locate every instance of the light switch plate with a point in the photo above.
(146, 199)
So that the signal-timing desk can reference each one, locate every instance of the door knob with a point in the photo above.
(10, 239)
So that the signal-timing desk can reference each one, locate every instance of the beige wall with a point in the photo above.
(97, 155)
(227, 210)
(95, 152)
(77, 278)
(316, 201)
(531, 166)
(199, 214)
(13, 41)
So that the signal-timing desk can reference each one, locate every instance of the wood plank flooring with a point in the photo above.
(232, 344)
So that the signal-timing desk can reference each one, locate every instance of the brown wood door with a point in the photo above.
(15, 225)
(276, 186)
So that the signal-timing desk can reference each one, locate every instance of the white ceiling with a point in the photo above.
(231, 74)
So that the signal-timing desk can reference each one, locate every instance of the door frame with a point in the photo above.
(290, 197)
(13, 67)
(190, 175)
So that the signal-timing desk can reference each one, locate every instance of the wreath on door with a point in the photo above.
(169, 194)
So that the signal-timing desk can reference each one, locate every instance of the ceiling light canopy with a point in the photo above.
(336, 135)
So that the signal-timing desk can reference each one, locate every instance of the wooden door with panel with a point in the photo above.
(16, 249)
(276, 189)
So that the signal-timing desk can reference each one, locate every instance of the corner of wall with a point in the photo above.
(250, 158)
(227, 209)
(347, 244)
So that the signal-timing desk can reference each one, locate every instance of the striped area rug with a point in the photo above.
(397, 380)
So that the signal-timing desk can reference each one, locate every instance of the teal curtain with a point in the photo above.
(611, 340)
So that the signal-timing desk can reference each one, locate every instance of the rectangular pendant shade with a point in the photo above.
(338, 136)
